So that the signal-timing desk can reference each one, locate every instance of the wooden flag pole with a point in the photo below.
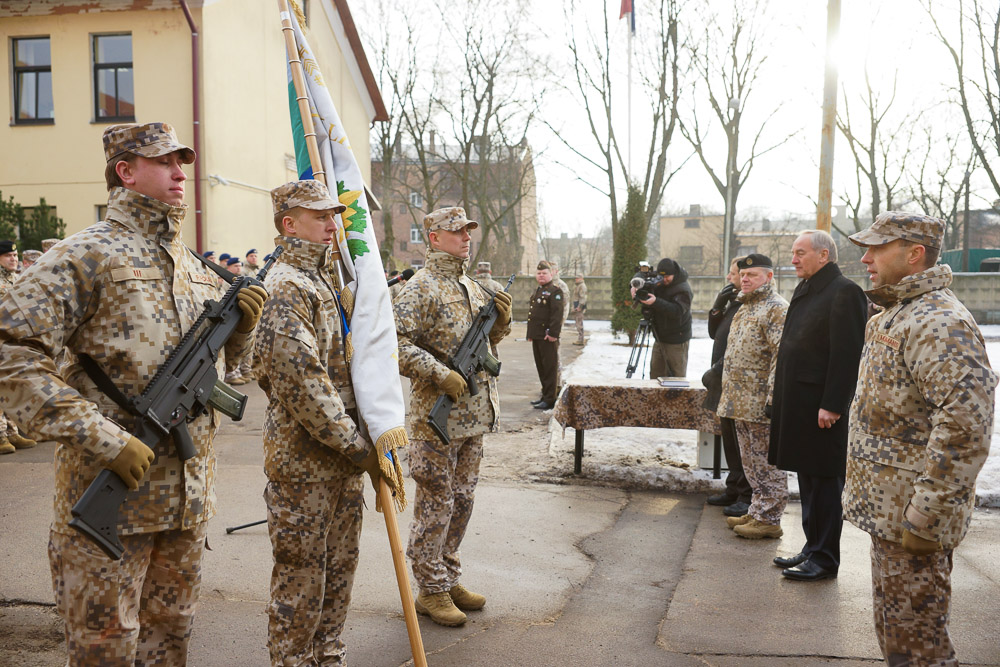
(385, 494)
(402, 580)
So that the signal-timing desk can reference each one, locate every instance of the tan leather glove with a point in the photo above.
(251, 301)
(370, 465)
(503, 300)
(453, 385)
(918, 546)
(133, 462)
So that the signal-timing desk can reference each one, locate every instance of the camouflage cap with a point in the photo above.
(48, 243)
(310, 194)
(890, 226)
(451, 218)
(7, 247)
(31, 255)
(149, 140)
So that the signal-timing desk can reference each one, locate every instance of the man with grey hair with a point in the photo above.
(814, 383)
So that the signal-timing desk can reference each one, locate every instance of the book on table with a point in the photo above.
(674, 382)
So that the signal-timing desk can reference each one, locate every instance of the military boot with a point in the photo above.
(20, 442)
(755, 530)
(440, 608)
(5, 446)
(465, 599)
(734, 521)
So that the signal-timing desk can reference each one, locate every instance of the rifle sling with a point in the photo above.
(104, 383)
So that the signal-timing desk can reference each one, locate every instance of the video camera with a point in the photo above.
(644, 284)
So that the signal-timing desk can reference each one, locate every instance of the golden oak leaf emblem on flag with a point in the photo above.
(355, 220)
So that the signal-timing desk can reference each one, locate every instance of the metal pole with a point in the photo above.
(965, 226)
(825, 199)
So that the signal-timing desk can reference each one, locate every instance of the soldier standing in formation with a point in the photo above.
(314, 452)
(29, 257)
(433, 313)
(123, 291)
(579, 306)
(484, 276)
(10, 439)
(251, 266)
(545, 320)
(919, 434)
(563, 287)
(747, 384)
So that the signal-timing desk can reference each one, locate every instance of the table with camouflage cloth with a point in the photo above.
(586, 404)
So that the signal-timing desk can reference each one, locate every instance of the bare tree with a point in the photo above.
(939, 177)
(880, 144)
(977, 92)
(728, 60)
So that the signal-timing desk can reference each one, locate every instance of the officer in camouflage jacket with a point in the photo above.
(123, 291)
(314, 453)
(10, 440)
(747, 385)
(433, 313)
(920, 432)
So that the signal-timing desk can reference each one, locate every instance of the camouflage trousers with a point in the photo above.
(137, 610)
(246, 365)
(315, 530)
(446, 477)
(770, 485)
(911, 598)
(5, 425)
(578, 317)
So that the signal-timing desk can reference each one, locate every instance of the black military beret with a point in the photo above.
(756, 260)
(7, 246)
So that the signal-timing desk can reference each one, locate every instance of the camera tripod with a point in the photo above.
(640, 348)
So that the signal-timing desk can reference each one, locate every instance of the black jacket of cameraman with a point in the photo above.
(672, 309)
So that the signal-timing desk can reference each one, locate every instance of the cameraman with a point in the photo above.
(668, 310)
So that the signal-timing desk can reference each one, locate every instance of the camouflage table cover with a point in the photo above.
(601, 403)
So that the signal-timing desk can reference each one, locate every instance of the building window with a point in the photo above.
(402, 208)
(416, 200)
(692, 223)
(416, 264)
(32, 58)
(415, 236)
(114, 97)
(690, 254)
(402, 245)
(746, 250)
(102, 212)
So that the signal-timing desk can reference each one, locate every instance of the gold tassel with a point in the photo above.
(390, 441)
(347, 301)
(298, 13)
(348, 347)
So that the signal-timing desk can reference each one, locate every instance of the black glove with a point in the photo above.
(726, 294)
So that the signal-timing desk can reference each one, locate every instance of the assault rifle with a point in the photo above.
(183, 388)
(472, 356)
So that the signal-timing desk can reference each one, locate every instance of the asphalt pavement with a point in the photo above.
(574, 572)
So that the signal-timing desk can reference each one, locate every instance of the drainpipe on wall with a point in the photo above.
(196, 118)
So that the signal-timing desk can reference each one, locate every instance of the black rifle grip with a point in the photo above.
(96, 513)
(438, 417)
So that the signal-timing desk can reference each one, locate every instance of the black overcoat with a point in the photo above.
(817, 368)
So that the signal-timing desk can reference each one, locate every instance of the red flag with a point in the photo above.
(626, 8)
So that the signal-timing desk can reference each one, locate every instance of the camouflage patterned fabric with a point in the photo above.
(139, 608)
(579, 303)
(922, 415)
(892, 225)
(149, 140)
(308, 193)
(315, 530)
(433, 313)
(769, 484)
(123, 291)
(308, 435)
(564, 288)
(446, 477)
(587, 404)
(912, 605)
(7, 279)
(752, 355)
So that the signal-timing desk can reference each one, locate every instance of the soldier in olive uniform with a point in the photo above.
(920, 432)
(10, 439)
(314, 452)
(545, 320)
(124, 291)
(747, 385)
(433, 313)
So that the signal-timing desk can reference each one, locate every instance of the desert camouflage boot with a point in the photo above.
(20, 442)
(440, 608)
(734, 521)
(755, 530)
(5, 446)
(465, 599)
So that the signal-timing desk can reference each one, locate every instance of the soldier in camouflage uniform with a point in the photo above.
(433, 313)
(314, 452)
(920, 432)
(10, 439)
(29, 257)
(579, 306)
(123, 291)
(484, 276)
(747, 385)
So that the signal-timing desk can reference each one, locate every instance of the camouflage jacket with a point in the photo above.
(922, 417)
(580, 296)
(123, 291)
(308, 435)
(564, 288)
(7, 279)
(433, 313)
(752, 355)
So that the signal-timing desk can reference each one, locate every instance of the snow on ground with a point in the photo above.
(668, 459)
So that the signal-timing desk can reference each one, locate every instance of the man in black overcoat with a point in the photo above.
(814, 383)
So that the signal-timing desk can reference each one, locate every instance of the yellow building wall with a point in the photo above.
(64, 162)
(246, 132)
